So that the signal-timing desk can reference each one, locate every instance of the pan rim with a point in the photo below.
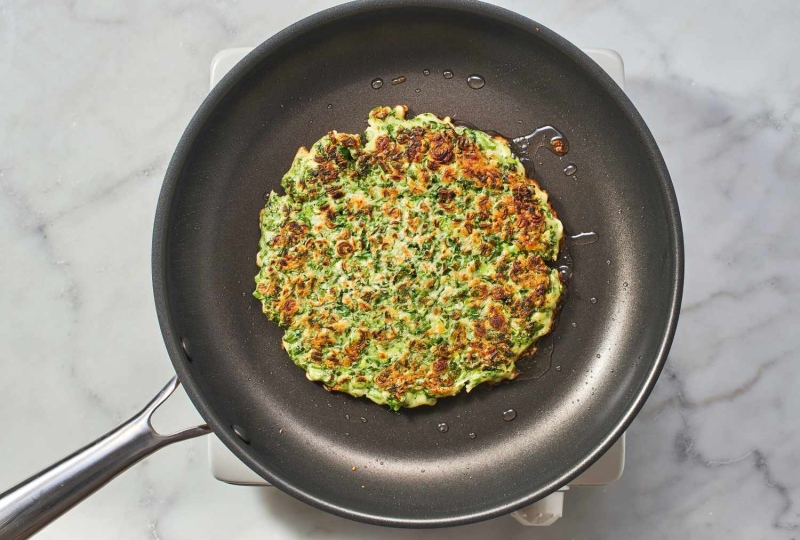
(172, 178)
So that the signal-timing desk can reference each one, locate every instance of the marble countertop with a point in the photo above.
(95, 95)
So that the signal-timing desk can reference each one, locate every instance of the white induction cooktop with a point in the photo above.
(226, 467)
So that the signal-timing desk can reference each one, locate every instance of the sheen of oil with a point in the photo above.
(543, 137)
(583, 239)
(536, 365)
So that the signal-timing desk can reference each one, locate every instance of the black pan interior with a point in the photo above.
(315, 77)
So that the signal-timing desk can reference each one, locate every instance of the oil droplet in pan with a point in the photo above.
(447, 74)
(426, 72)
(376, 83)
(509, 415)
(476, 82)
(570, 169)
(472, 435)
(442, 427)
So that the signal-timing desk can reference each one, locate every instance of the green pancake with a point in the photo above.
(410, 263)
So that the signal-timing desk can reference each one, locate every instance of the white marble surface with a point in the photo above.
(93, 97)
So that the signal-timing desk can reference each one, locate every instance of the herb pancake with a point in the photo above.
(408, 263)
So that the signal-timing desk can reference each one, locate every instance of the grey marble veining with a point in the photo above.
(93, 97)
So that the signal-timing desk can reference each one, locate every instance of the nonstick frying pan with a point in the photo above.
(316, 76)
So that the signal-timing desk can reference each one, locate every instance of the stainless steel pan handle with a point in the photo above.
(34, 503)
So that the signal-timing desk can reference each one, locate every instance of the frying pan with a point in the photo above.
(348, 456)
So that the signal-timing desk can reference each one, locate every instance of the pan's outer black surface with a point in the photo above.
(315, 76)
